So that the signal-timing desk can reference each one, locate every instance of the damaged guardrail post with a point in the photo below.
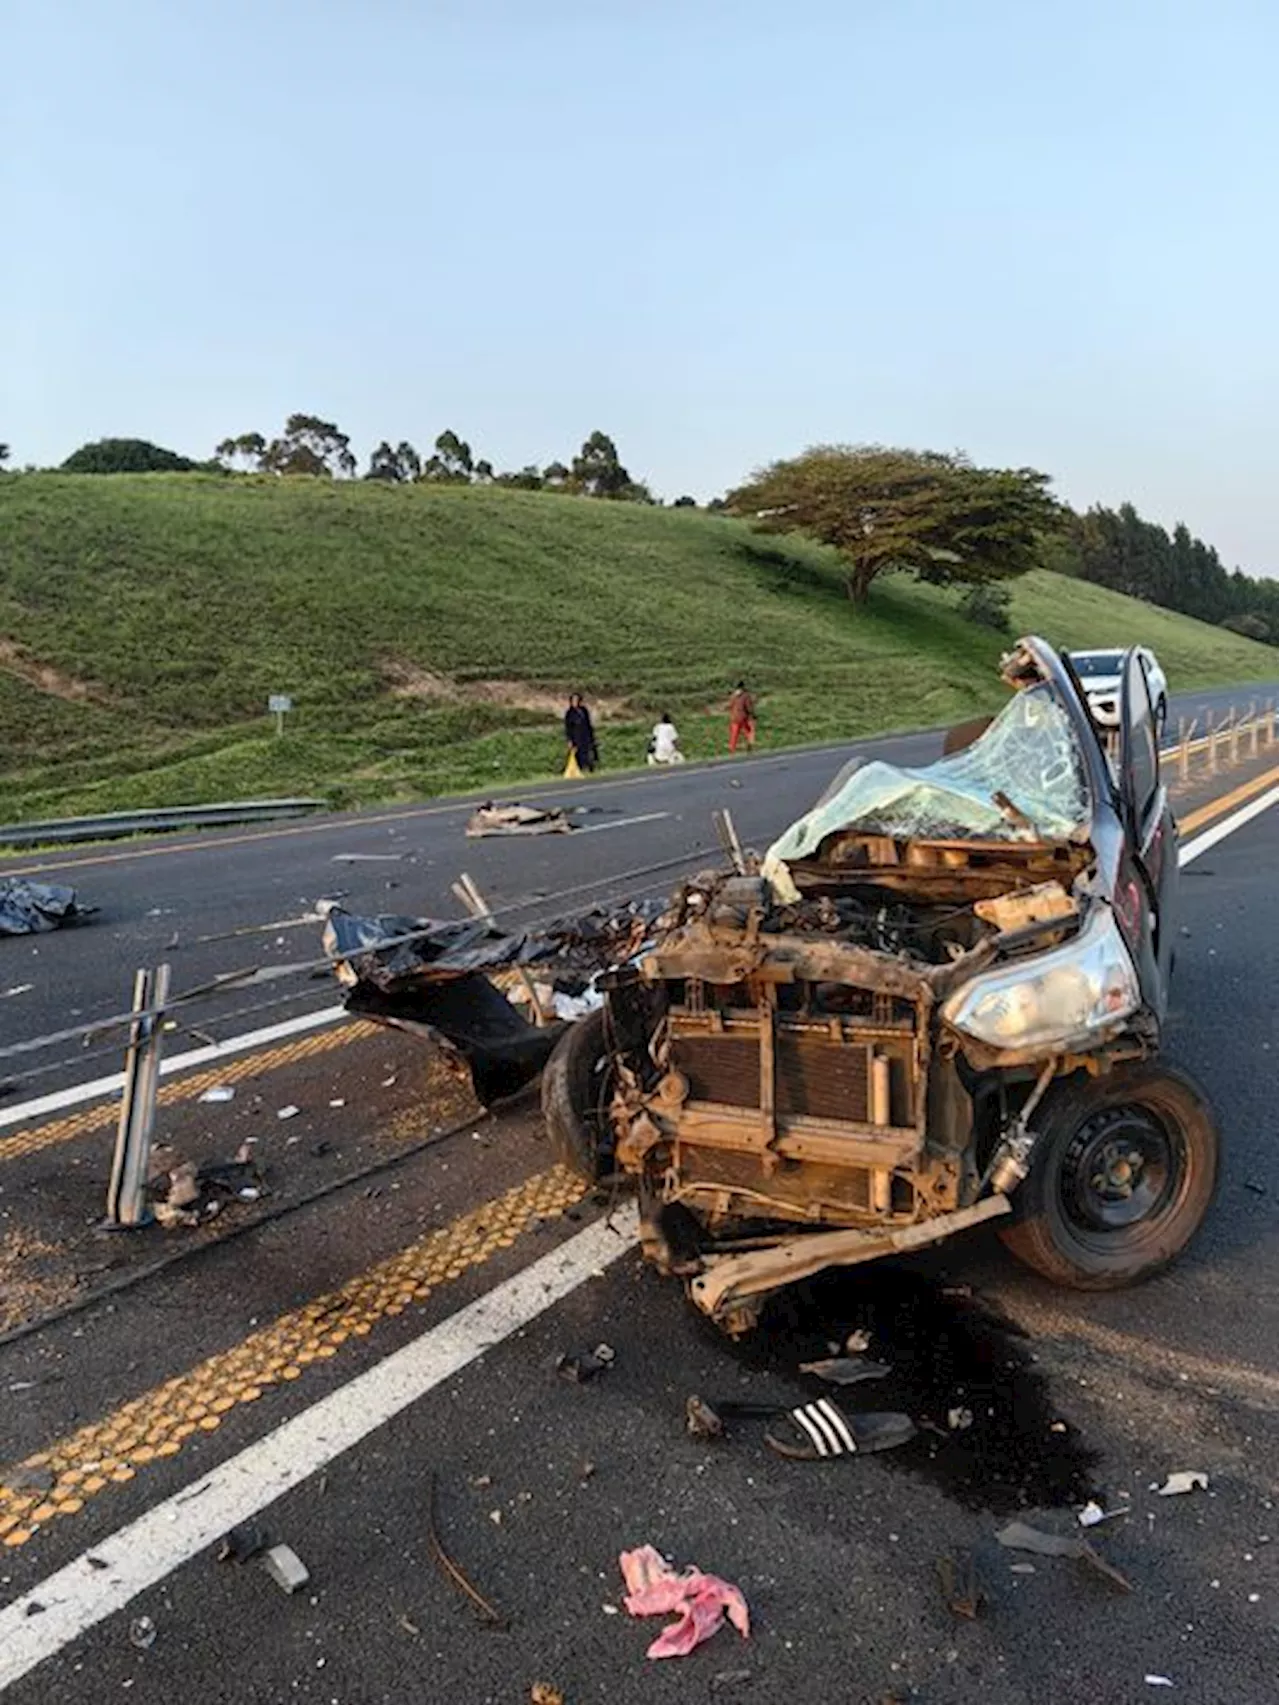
(1184, 745)
(127, 1192)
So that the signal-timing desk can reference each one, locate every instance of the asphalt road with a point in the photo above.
(160, 899)
(541, 1483)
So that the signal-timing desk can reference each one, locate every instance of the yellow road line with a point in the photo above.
(104, 1114)
(111, 1450)
(1216, 807)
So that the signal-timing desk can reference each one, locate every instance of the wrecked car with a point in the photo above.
(936, 1001)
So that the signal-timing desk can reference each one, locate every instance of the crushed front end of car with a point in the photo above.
(847, 1049)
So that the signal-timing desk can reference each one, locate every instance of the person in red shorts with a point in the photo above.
(742, 717)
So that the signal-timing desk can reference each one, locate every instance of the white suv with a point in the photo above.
(1099, 673)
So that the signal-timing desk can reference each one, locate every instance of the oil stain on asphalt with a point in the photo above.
(990, 1434)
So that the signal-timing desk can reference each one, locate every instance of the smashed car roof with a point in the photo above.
(1023, 780)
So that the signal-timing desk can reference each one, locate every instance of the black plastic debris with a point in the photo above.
(33, 908)
(583, 1365)
(433, 979)
(243, 1542)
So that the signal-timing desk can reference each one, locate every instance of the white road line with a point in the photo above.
(622, 823)
(171, 1533)
(1228, 826)
(97, 1087)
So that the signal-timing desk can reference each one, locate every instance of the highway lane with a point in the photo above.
(158, 898)
(542, 1483)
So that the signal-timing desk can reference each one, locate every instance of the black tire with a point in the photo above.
(577, 1083)
(1086, 1216)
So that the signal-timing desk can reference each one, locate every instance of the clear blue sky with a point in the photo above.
(719, 230)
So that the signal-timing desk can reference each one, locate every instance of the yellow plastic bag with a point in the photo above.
(571, 765)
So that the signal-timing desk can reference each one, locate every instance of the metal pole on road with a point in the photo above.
(127, 1192)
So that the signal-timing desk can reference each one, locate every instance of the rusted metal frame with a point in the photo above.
(729, 1279)
(834, 1142)
(765, 1016)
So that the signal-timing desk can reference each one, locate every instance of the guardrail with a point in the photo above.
(115, 825)
(1236, 734)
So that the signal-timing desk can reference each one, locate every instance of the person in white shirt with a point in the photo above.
(664, 745)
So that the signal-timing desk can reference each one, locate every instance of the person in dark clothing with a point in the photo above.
(579, 734)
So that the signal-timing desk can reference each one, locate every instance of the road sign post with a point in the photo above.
(278, 704)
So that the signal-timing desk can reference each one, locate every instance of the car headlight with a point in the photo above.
(1056, 997)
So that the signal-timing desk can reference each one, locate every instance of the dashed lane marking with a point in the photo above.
(157, 1424)
(38, 1137)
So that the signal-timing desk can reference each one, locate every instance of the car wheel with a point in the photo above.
(1121, 1177)
(577, 1086)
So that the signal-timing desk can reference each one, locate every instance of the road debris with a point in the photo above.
(289, 1112)
(1157, 1681)
(286, 1568)
(959, 1419)
(27, 1477)
(1020, 1536)
(730, 1677)
(142, 1633)
(583, 1365)
(17, 989)
(243, 1542)
(447, 1564)
(187, 1194)
(846, 1370)
(1183, 1480)
(33, 908)
(961, 1588)
(542, 1693)
(857, 1341)
(1093, 1513)
(815, 1431)
(517, 820)
(219, 1092)
(700, 1601)
(701, 1420)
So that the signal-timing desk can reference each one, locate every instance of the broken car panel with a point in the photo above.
(437, 980)
(938, 1002)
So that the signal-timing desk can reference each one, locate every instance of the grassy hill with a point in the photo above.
(428, 636)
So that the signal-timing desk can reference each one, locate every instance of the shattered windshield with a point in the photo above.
(1023, 780)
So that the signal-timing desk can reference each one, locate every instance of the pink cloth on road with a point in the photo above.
(702, 1601)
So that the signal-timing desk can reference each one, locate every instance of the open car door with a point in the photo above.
(1149, 881)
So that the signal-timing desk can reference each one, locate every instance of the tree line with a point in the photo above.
(1117, 548)
(936, 515)
(309, 445)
